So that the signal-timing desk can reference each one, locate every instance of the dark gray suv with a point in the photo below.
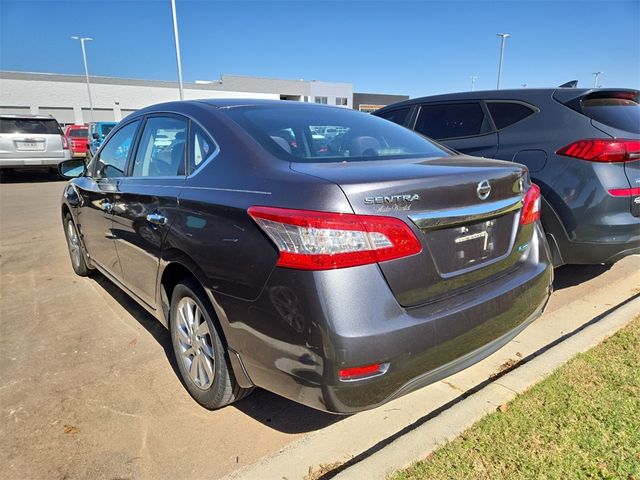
(582, 147)
(340, 274)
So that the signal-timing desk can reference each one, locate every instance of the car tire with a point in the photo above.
(76, 250)
(200, 353)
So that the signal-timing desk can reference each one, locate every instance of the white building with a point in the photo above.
(65, 97)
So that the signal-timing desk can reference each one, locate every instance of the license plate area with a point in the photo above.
(469, 245)
(30, 145)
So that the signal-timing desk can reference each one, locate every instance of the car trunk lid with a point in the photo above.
(464, 210)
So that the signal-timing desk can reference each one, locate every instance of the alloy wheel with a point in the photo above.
(196, 346)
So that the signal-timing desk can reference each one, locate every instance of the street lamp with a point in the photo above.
(177, 42)
(473, 81)
(595, 78)
(502, 36)
(86, 70)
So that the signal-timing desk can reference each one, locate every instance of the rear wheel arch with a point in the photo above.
(172, 274)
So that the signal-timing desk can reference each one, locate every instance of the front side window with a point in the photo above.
(112, 159)
(506, 113)
(322, 100)
(162, 148)
(312, 134)
(452, 120)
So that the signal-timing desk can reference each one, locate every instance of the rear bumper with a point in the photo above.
(33, 162)
(350, 318)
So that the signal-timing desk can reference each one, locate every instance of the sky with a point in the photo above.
(415, 48)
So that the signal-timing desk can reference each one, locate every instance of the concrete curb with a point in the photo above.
(424, 439)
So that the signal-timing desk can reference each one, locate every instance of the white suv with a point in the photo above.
(31, 141)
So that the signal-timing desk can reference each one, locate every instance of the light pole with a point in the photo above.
(177, 42)
(473, 81)
(86, 70)
(595, 78)
(502, 36)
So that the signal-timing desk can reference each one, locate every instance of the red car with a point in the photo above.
(77, 136)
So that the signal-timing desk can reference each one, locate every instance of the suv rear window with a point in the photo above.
(621, 113)
(323, 134)
(106, 129)
(452, 120)
(30, 126)
(507, 113)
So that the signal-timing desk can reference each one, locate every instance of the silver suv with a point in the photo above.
(31, 141)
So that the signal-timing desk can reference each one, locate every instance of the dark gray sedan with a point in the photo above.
(340, 273)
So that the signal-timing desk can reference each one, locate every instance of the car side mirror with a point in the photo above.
(96, 136)
(72, 168)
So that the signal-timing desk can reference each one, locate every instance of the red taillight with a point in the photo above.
(624, 192)
(355, 373)
(531, 205)
(601, 150)
(311, 240)
(65, 142)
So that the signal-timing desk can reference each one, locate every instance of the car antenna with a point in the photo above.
(571, 84)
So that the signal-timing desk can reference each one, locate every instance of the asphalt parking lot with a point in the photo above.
(88, 386)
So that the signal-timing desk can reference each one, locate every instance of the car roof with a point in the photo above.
(27, 116)
(245, 102)
(522, 94)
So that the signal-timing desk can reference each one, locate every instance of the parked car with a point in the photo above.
(582, 147)
(77, 139)
(98, 131)
(337, 277)
(28, 141)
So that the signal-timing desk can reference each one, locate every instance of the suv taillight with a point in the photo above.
(602, 150)
(311, 240)
(65, 142)
(531, 205)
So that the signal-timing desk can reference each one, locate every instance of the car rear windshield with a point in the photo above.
(325, 134)
(621, 113)
(29, 126)
(106, 129)
(78, 132)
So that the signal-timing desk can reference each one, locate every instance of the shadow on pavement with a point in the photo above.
(29, 176)
(267, 408)
(572, 275)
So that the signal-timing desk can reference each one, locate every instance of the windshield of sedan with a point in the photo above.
(325, 134)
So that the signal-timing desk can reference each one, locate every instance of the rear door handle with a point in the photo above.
(156, 219)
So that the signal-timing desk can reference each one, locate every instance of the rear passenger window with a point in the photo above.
(396, 116)
(452, 120)
(161, 152)
(202, 147)
(505, 114)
